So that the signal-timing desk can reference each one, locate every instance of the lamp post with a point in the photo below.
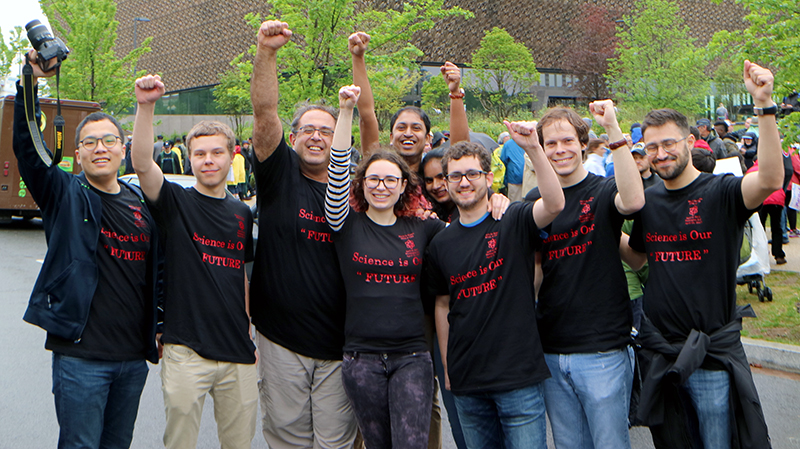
(135, 42)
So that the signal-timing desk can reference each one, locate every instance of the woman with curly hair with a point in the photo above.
(387, 370)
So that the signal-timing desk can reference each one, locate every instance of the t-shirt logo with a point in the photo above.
(240, 232)
(694, 213)
(491, 244)
(137, 216)
(411, 248)
(586, 211)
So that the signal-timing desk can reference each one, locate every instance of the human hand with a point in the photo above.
(357, 43)
(148, 89)
(498, 204)
(452, 76)
(348, 96)
(37, 71)
(604, 113)
(274, 34)
(759, 82)
(524, 134)
(159, 346)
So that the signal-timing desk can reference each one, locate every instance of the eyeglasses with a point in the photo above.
(439, 177)
(472, 175)
(667, 144)
(390, 182)
(309, 130)
(109, 140)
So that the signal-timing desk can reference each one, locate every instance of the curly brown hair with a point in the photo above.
(410, 201)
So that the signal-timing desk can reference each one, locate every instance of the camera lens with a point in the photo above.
(37, 34)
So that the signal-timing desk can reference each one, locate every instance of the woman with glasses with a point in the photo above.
(387, 370)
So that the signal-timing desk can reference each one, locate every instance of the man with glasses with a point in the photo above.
(692, 226)
(100, 260)
(482, 273)
(298, 297)
(584, 312)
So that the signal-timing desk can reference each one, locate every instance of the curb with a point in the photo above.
(772, 355)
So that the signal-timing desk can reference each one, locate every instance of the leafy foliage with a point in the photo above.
(657, 64)
(435, 94)
(94, 71)
(13, 52)
(503, 71)
(232, 95)
(587, 55)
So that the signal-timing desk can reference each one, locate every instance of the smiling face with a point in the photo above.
(669, 165)
(564, 149)
(435, 184)
(381, 197)
(468, 195)
(409, 135)
(100, 164)
(211, 160)
(313, 149)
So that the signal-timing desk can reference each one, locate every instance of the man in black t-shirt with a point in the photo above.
(298, 294)
(95, 293)
(208, 240)
(482, 273)
(692, 224)
(583, 307)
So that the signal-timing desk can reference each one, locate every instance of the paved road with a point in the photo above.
(27, 416)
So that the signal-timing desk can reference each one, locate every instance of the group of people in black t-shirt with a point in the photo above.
(529, 306)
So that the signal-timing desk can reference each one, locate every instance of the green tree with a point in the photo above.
(728, 81)
(435, 93)
(232, 95)
(657, 64)
(316, 62)
(94, 71)
(503, 73)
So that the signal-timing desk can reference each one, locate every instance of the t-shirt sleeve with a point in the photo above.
(732, 188)
(167, 199)
(636, 240)
(272, 170)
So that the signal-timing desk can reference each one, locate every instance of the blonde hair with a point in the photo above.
(211, 128)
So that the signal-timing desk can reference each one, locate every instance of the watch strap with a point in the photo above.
(772, 110)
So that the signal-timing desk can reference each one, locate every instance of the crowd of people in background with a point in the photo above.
(523, 278)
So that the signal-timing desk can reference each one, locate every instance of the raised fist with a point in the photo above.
(524, 134)
(452, 76)
(148, 89)
(759, 82)
(604, 113)
(357, 43)
(348, 96)
(274, 34)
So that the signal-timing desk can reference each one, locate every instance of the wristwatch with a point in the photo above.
(772, 110)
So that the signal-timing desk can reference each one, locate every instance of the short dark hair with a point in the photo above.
(594, 144)
(409, 202)
(422, 115)
(570, 116)
(703, 160)
(695, 132)
(98, 117)
(436, 153)
(661, 117)
(305, 107)
(462, 149)
(722, 123)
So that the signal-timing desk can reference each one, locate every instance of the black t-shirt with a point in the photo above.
(207, 243)
(297, 293)
(692, 237)
(487, 269)
(117, 327)
(584, 305)
(381, 267)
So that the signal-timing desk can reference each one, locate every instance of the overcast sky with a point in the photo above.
(18, 13)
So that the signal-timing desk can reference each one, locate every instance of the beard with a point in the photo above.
(480, 193)
(681, 161)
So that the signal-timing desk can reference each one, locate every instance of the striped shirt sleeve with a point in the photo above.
(337, 194)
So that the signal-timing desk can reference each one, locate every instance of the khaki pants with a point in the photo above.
(186, 378)
(302, 400)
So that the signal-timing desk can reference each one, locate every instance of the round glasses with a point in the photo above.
(109, 140)
(667, 144)
(309, 130)
(390, 182)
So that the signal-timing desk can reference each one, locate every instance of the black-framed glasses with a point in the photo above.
(309, 130)
(667, 144)
(390, 182)
(109, 140)
(471, 175)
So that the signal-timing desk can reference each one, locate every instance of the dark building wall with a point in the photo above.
(194, 40)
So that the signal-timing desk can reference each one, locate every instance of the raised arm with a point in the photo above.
(459, 128)
(630, 192)
(148, 89)
(267, 128)
(338, 191)
(757, 186)
(368, 121)
(546, 208)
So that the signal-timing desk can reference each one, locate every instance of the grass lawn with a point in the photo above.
(778, 320)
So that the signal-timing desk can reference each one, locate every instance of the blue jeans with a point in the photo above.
(96, 401)
(510, 419)
(588, 398)
(709, 392)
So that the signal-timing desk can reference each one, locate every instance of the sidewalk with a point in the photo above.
(778, 356)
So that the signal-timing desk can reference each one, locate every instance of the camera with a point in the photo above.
(47, 46)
